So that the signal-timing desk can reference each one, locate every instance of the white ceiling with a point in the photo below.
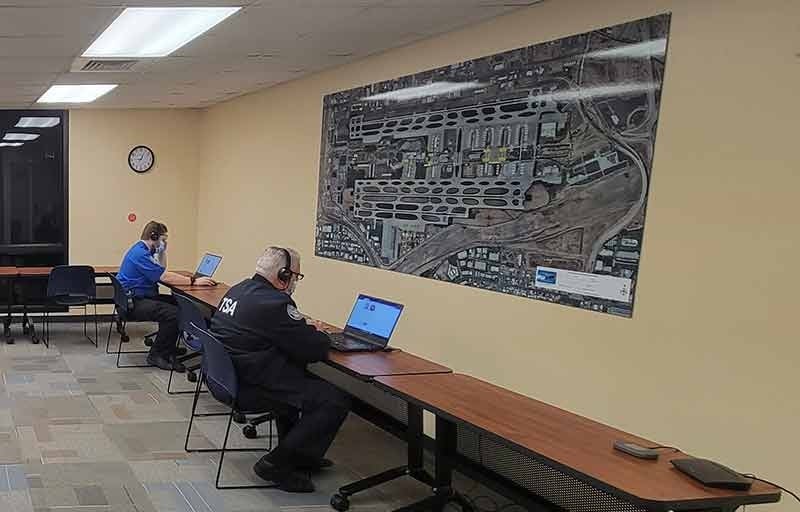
(267, 42)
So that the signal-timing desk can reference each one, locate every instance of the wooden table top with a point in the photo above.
(106, 269)
(363, 364)
(44, 271)
(375, 364)
(34, 271)
(211, 296)
(568, 440)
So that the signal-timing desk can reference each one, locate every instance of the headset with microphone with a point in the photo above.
(285, 273)
(155, 235)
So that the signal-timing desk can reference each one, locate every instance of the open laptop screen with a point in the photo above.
(208, 265)
(375, 317)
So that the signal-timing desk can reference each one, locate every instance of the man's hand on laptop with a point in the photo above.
(204, 281)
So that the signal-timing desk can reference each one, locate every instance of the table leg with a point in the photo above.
(27, 325)
(415, 467)
(446, 445)
(7, 320)
(32, 331)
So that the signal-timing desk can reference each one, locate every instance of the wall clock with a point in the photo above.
(141, 159)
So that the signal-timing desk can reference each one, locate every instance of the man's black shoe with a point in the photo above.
(316, 466)
(165, 364)
(285, 479)
(265, 469)
(181, 351)
(295, 481)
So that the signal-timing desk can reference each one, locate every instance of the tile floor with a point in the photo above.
(79, 435)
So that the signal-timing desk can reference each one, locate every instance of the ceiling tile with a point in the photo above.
(55, 21)
(11, 65)
(269, 42)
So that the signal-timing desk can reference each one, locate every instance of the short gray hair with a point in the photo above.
(273, 259)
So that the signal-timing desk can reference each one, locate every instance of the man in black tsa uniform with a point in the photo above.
(271, 344)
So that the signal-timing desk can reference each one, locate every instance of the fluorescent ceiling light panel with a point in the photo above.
(38, 122)
(21, 136)
(155, 31)
(10, 144)
(75, 93)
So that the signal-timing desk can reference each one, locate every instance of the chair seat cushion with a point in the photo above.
(71, 300)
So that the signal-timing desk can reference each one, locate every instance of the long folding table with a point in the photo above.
(569, 459)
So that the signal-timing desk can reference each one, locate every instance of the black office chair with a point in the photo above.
(120, 318)
(188, 313)
(219, 375)
(71, 286)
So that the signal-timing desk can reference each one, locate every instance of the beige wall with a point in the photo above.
(103, 189)
(709, 362)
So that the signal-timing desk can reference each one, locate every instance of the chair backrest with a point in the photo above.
(71, 280)
(120, 297)
(218, 369)
(189, 313)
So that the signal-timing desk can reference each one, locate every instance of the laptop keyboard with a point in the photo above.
(342, 342)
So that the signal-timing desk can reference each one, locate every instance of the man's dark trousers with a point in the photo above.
(164, 310)
(306, 434)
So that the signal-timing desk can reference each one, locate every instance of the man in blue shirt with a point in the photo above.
(144, 265)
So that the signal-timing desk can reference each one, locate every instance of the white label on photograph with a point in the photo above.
(581, 283)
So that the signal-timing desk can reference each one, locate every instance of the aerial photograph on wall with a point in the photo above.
(525, 172)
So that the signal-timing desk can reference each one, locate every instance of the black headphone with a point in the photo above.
(156, 233)
(285, 273)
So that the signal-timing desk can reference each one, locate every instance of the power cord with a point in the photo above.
(754, 477)
(511, 505)
(746, 475)
(663, 447)
(473, 500)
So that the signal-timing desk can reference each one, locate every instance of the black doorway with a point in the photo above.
(34, 213)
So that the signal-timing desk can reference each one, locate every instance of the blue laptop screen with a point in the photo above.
(374, 316)
(208, 265)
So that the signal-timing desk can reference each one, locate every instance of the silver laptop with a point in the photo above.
(369, 326)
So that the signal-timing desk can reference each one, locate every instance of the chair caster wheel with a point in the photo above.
(35, 340)
(250, 432)
(340, 503)
(125, 338)
(239, 418)
(191, 376)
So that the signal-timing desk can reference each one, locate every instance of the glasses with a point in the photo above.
(298, 274)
